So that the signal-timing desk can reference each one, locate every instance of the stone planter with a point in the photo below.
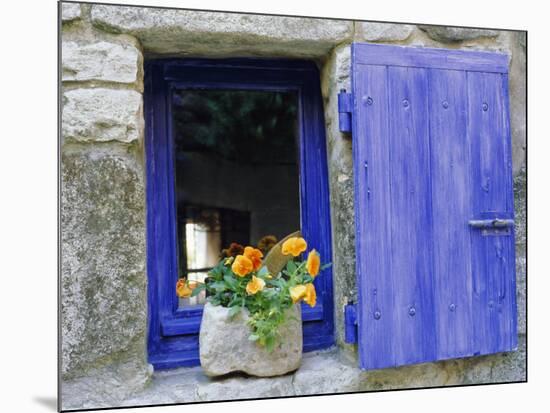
(225, 348)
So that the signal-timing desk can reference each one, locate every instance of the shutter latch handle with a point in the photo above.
(491, 223)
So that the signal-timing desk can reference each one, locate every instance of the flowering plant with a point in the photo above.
(244, 281)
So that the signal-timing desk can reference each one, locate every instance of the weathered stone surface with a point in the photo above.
(497, 368)
(190, 32)
(382, 32)
(70, 11)
(335, 75)
(323, 373)
(456, 34)
(107, 386)
(102, 115)
(520, 204)
(103, 61)
(235, 388)
(444, 373)
(103, 281)
(170, 386)
(517, 76)
(225, 348)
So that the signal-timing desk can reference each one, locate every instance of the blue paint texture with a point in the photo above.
(173, 332)
(432, 152)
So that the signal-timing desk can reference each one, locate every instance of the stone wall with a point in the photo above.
(103, 271)
(103, 278)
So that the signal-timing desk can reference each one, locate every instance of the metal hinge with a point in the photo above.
(345, 106)
(350, 322)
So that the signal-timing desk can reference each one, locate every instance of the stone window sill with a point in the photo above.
(321, 372)
(329, 372)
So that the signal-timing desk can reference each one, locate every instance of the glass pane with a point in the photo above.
(199, 299)
(236, 173)
(203, 245)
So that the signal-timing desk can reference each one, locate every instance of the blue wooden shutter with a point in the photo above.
(434, 204)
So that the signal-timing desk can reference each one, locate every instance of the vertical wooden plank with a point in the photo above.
(411, 215)
(492, 255)
(451, 212)
(373, 220)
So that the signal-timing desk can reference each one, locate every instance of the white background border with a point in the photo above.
(28, 171)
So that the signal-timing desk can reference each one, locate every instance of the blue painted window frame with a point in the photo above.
(173, 332)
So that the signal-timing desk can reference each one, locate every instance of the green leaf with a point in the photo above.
(269, 343)
(232, 282)
(263, 272)
(325, 266)
(253, 337)
(291, 266)
(219, 286)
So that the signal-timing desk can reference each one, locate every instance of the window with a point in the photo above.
(209, 125)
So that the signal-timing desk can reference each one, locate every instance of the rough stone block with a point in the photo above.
(456, 34)
(323, 373)
(70, 11)
(225, 348)
(102, 61)
(170, 31)
(237, 388)
(415, 376)
(102, 115)
(103, 279)
(382, 32)
(107, 386)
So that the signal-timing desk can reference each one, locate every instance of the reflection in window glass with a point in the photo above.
(236, 159)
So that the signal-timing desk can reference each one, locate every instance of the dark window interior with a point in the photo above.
(237, 177)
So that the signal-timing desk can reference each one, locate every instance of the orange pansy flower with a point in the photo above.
(242, 266)
(310, 295)
(182, 289)
(313, 263)
(294, 246)
(254, 255)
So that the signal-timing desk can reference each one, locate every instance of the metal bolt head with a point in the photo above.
(405, 103)
(445, 104)
(452, 307)
(377, 315)
(485, 106)
(367, 100)
(412, 311)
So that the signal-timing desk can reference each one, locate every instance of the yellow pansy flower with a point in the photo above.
(242, 266)
(182, 289)
(310, 295)
(313, 263)
(294, 246)
(297, 293)
(255, 285)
